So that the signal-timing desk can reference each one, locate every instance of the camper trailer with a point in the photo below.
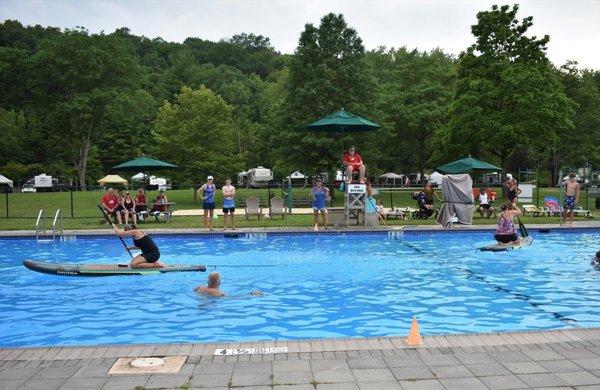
(41, 182)
(259, 177)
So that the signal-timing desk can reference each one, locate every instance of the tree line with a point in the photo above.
(74, 104)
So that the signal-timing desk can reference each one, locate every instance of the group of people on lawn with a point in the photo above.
(124, 208)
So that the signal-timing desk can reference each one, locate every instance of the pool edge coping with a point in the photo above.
(493, 339)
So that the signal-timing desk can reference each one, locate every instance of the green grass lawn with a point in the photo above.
(23, 209)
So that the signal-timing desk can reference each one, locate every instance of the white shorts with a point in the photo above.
(323, 210)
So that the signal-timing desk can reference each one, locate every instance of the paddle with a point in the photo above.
(110, 223)
(522, 228)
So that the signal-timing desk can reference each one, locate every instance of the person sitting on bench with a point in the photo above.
(353, 162)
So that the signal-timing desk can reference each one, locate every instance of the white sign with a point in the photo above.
(249, 351)
(357, 188)
(526, 194)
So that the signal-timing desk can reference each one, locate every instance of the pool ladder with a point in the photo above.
(40, 224)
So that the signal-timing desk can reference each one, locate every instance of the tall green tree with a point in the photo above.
(196, 132)
(415, 90)
(508, 96)
(327, 73)
(82, 75)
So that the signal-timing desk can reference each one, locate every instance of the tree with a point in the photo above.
(415, 90)
(507, 93)
(327, 73)
(81, 74)
(12, 128)
(196, 133)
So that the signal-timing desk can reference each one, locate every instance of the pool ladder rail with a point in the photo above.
(40, 224)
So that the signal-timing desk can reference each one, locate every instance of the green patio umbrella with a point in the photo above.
(465, 165)
(142, 163)
(341, 122)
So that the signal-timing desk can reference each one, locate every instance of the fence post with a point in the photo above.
(6, 203)
(71, 188)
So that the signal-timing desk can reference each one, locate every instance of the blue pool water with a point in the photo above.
(315, 286)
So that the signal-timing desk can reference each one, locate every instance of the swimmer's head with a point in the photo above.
(598, 255)
(214, 280)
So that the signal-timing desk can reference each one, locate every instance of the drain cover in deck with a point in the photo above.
(148, 365)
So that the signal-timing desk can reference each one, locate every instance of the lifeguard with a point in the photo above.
(353, 162)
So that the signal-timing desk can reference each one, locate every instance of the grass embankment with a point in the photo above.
(23, 209)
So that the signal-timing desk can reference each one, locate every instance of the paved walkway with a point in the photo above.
(521, 360)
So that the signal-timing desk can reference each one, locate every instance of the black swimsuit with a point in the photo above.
(149, 249)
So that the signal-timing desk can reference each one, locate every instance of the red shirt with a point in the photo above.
(110, 201)
(140, 199)
(354, 160)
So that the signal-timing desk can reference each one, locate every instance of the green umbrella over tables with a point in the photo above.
(142, 163)
(465, 165)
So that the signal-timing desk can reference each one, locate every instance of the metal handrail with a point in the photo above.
(58, 214)
(41, 217)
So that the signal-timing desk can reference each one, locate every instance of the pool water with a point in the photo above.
(315, 285)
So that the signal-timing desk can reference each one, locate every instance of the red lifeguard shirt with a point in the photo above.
(110, 201)
(354, 161)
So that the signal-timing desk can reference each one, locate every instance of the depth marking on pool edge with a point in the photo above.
(249, 351)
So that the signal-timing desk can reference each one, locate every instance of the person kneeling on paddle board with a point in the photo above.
(506, 232)
(150, 253)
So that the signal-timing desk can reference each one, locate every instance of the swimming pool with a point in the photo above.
(315, 285)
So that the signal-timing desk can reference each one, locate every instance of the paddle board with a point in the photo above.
(523, 242)
(104, 269)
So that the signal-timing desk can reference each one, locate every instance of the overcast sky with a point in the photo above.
(573, 25)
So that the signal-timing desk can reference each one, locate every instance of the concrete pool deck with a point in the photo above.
(514, 360)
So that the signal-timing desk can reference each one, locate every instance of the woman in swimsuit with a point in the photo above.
(128, 205)
(150, 253)
(208, 190)
(506, 232)
(513, 192)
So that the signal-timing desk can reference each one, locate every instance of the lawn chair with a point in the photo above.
(533, 210)
(580, 212)
(277, 207)
(253, 207)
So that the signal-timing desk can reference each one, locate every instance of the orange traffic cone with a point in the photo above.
(414, 335)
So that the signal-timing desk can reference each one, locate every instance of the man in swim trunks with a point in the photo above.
(212, 289)
(110, 203)
(353, 162)
(150, 253)
(596, 259)
(506, 232)
(228, 203)
(571, 198)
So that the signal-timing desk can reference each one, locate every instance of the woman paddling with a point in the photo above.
(150, 253)
(506, 232)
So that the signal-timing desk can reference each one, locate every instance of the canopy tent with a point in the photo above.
(112, 179)
(6, 180)
(296, 175)
(143, 163)
(390, 177)
(465, 165)
(458, 199)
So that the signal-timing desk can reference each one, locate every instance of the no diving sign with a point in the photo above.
(249, 351)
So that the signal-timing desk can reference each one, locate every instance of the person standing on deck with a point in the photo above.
(319, 195)
(571, 198)
(228, 204)
(208, 190)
